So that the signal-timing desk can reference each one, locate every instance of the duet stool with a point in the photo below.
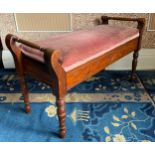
(66, 60)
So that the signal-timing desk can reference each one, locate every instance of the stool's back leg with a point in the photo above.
(17, 55)
(140, 26)
(134, 65)
(24, 90)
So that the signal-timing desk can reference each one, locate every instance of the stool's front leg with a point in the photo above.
(61, 115)
(59, 85)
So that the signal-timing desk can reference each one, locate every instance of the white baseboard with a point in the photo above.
(7, 59)
(146, 61)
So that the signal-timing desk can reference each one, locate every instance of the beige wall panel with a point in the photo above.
(43, 21)
(79, 21)
(152, 22)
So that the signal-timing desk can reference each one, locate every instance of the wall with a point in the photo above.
(27, 22)
(81, 21)
(151, 25)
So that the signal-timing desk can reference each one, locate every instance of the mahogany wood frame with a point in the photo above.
(61, 81)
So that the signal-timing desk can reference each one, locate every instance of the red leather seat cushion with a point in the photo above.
(82, 46)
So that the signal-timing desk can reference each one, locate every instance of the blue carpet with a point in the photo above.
(111, 109)
(103, 82)
(148, 78)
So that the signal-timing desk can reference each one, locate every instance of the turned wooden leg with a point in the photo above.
(25, 94)
(61, 115)
(134, 65)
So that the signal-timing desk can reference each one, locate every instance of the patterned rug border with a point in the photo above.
(77, 97)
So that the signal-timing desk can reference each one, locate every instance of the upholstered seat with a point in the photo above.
(82, 46)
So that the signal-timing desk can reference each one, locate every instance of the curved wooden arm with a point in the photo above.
(11, 44)
(140, 21)
(12, 38)
(11, 41)
(105, 19)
